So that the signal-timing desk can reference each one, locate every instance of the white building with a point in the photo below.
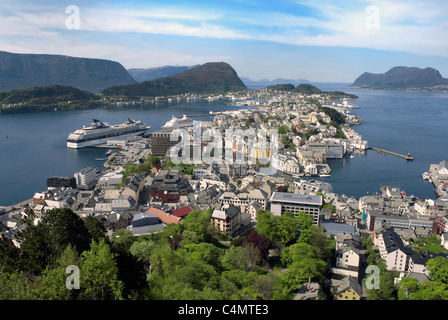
(86, 178)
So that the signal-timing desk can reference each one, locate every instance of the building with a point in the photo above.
(110, 180)
(295, 203)
(346, 289)
(162, 141)
(423, 223)
(86, 178)
(169, 186)
(392, 249)
(227, 220)
(56, 182)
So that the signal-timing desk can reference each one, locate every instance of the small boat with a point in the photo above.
(352, 156)
(324, 175)
(109, 152)
(426, 176)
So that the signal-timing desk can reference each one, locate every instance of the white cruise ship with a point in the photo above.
(178, 123)
(100, 132)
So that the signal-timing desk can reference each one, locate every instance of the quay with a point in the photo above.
(407, 157)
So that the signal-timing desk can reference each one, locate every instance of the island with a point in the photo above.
(403, 78)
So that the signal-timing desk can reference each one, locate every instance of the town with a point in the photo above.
(144, 191)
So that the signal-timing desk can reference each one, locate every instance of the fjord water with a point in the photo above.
(33, 145)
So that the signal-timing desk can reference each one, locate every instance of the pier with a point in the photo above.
(407, 157)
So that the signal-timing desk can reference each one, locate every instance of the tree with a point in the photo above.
(246, 257)
(96, 228)
(54, 278)
(99, 273)
(438, 268)
(9, 256)
(41, 244)
(298, 272)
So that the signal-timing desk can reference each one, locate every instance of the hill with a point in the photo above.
(142, 74)
(209, 78)
(305, 88)
(282, 87)
(32, 70)
(46, 98)
(401, 78)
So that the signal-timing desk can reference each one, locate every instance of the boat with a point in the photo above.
(352, 156)
(324, 175)
(100, 132)
(426, 175)
(178, 122)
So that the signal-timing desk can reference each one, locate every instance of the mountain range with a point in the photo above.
(145, 74)
(19, 70)
(401, 78)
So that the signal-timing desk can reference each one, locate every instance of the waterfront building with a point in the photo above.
(86, 178)
(295, 203)
(56, 182)
(425, 224)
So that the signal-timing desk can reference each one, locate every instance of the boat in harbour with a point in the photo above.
(425, 176)
(100, 132)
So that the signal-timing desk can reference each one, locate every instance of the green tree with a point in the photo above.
(408, 288)
(9, 256)
(438, 269)
(54, 278)
(99, 273)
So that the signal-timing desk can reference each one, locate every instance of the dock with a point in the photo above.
(407, 157)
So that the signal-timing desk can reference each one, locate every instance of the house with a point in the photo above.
(347, 256)
(134, 187)
(346, 289)
(393, 250)
(418, 261)
(227, 220)
(168, 186)
(110, 180)
(123, 203)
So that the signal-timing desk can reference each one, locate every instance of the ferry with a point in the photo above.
(100, 132)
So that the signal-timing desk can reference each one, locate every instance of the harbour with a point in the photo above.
(382, 112)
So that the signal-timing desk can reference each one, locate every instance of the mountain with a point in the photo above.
(306, 88)
(209, 78)
(32, 70)
(263, 83)
(46, 98)
(141, 74)
(401, 78)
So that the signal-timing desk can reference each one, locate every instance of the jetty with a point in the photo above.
(407, 157)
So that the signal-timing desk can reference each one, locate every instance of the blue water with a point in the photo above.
(35, 147)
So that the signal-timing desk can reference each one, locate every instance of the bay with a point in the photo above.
(33, 145)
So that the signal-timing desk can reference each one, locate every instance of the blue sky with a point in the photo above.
(321, 41)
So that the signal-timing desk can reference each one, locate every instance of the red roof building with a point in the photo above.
(182, 212)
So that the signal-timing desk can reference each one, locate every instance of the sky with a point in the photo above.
(320, 41)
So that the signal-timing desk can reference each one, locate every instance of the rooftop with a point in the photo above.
(296, 198)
